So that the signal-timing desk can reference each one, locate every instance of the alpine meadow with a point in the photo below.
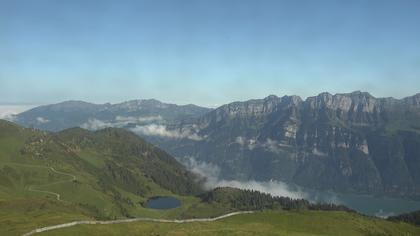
(199, 117)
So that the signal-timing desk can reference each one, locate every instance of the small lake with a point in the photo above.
(163, 203)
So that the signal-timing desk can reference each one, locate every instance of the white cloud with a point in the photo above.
(249, 143)
(269, 145)
(119, 122)
(7, 112)
(317, 152)
(162, 131)
(252, 143)
(140, 119)
(95, 124)
(274, 146)
(208, 171)
(211, 174)
(240, 140)
(382, 214)
(42, 120)
(148, 129)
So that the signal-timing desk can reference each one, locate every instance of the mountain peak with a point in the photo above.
(353, 94)
(344, 101)
(323, 94)
(356, 93)
(134, 105)
(271, 97)
(67, 106)
(413, 100)
(143, 101)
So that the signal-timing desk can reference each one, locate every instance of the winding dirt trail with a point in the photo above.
(36, 188)
(95, 222)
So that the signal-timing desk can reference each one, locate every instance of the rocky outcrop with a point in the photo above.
(345, 142)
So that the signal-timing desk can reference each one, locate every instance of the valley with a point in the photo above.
(105, 179)
(350, 143)
(209, 118)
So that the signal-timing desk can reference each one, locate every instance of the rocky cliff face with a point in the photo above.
(345, 142)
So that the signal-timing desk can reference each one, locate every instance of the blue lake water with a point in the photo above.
(366, 204)
(163, 203)
(369, 205)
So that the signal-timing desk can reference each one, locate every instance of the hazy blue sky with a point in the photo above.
(205, 52)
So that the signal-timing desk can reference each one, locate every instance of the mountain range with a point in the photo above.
(71, 114)
(106, 177)
(350, 142)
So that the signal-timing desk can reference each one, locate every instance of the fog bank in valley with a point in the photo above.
(370, 205)
(211, 174)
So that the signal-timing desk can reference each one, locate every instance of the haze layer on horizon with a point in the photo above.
(205, 52)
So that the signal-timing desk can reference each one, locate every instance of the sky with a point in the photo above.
(206, 52)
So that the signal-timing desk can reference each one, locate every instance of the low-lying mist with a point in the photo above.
(370, 205)
(211, 174)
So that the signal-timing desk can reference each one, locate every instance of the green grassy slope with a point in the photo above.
(23, 215)
(115, 173)
(297, 223)
(109, 174)
(412, 218)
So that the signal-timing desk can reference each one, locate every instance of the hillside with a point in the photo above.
(295, 223)
(69, 114)
(244, 200)
(78, 174)
(412, 218)
(113, 155)
(54, 178)
(350, 142)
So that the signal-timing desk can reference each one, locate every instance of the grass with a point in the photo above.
(22, 210)
(298, 223)
(22, 215)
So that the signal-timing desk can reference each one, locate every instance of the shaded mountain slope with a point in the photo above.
(71, 114)
(115, 170)
(346, 142)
